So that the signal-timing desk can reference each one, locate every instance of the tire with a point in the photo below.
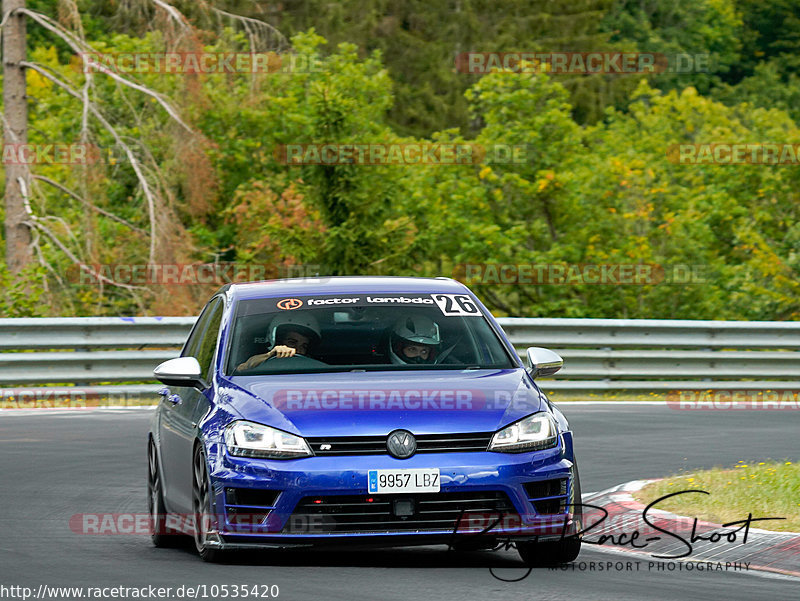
(551, 553)
(161, 536)
(201, 507)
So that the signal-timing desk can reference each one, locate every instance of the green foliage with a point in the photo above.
(772, 31)
(711, 29)
(21, 293)
(730, 219)
(604, 193)
(608, 195)
(419, 41)
(753, 46)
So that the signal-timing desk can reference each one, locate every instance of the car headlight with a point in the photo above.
(533, 433)
(248, 439)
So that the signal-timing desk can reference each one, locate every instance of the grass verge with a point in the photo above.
(565, 396)
(763, 488)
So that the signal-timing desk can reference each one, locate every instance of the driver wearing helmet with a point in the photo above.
(289, 335)
(414, 340)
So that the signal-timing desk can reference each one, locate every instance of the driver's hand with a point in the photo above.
(281, 352)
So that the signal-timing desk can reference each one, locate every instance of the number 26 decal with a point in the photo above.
(456, 304)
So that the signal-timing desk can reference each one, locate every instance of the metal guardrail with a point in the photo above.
(599, 354)
(93, 332)
(652, 333)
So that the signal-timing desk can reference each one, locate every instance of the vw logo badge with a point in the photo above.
(401, 444)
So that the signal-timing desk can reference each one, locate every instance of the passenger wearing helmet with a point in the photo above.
(414, 340)
(289, 335)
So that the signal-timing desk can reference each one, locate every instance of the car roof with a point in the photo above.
(343, 285)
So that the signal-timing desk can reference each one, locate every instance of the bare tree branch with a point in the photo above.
(74, 42)
(36, 222)
(128, 152)
(174, 13)
(145, 90)
(88, 204)
(252, 27)
(83, 49)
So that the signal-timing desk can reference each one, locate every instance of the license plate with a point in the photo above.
(401, 481)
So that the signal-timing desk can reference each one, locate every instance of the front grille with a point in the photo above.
(377, 513)
(548, 496)
(376, 445)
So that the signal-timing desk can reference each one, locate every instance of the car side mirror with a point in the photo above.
(182, 371)
(542, 362)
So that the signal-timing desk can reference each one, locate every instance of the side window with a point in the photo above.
(208, 341)
(190, 348)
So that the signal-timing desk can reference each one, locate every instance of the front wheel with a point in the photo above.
(201, 506)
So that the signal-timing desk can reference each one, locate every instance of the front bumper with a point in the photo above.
(524, 512)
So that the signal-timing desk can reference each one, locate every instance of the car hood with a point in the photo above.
(375, 403)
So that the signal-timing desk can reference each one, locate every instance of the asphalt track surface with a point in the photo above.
(57, 464)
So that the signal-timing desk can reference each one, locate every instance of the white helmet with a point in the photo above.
(301, 323)
(416, 329)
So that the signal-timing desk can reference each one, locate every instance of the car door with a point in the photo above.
(177, 425)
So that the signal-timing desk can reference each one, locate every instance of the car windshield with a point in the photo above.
(362, 332)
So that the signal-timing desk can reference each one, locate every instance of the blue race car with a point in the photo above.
(359, 411)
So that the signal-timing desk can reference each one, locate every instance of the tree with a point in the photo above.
(419, 41)
(724, 238)
(15, 134)
(103, 115)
